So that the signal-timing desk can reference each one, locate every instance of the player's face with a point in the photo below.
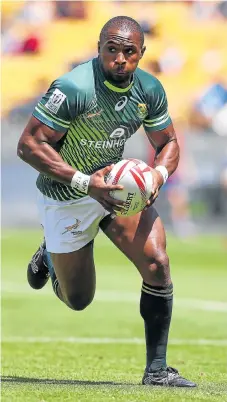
(119, 54)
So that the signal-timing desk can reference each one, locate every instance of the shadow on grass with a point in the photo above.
(23, 380)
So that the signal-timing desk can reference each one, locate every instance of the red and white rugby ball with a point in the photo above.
(136, 177)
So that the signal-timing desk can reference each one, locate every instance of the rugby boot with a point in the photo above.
(37, 272)
(168, 377)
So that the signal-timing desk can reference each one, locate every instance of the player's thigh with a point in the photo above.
(75, 272)
(70, 228)
(142, 239)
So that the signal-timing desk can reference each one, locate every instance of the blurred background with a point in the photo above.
(186, 50)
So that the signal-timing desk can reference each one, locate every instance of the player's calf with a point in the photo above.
(156, 306)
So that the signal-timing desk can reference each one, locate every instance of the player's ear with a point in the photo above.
(142, 51)
(98, 47)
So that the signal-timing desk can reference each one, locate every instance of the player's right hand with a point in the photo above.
(99, 190)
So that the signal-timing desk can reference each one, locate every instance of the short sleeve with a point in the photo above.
(58, 107)
(158, 116)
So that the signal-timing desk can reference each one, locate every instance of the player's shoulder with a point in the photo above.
(79, 79)
(149, 82)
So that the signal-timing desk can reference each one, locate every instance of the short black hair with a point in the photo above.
(123, 23)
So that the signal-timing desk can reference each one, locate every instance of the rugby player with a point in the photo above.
(77, 132)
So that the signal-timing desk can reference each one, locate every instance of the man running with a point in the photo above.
(77, 131)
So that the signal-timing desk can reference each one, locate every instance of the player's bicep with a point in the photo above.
(40, 132)
(160, 138)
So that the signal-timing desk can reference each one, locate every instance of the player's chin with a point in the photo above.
(120, 77)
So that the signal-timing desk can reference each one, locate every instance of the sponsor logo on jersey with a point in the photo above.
(72, 228)
(121, 103)
(55, 101)
(142, 110)
(119, 142)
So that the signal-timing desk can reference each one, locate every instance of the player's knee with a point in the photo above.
(158, 267)
(78, 301)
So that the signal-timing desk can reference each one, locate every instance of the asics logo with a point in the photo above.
(121, 103)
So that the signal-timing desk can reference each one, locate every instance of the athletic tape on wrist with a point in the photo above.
(80, 181)
(163, 171)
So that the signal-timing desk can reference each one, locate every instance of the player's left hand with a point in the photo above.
(157, 184)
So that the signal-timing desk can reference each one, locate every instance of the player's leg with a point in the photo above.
(142, 239)
(73, 276)
(69, 229)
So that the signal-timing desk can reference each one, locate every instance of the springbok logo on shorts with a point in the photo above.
(72, 228)
(121, 103)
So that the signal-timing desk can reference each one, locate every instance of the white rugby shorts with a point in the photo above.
(69, 225)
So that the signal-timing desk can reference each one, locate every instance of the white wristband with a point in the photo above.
(163, 171)
(80, 181)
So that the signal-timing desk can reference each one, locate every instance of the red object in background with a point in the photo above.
(31, 45)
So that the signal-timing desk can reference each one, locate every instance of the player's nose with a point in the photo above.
(120, 58)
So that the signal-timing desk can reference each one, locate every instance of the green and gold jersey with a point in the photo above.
(97, 119)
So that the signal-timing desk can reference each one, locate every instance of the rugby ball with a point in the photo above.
(136, 177)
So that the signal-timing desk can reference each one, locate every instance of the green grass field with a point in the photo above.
(50, 353)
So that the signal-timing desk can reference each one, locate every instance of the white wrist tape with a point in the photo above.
(80, 182)
(163, 171)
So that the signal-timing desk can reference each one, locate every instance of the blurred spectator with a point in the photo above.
(172, 59)
(149, 28)
(37, 12)
(211, 60)
(71, 9)
(19, 39)
(11, 41)
(222, 8)
(26, 106)
(207, 107)
(219, 122)
(31, 44)
(147, 19)
(178, 198)
(22, 34)
(203, 10)
(223, 190)
(223, 176)
(153, 66)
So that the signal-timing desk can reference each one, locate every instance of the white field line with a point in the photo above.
(114, 296)
(123, 341)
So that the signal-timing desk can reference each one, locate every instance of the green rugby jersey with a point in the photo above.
(97, 119)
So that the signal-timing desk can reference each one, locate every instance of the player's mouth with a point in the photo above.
(120, 72)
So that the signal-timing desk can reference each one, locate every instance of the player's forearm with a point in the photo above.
(42, 157)
(168, 156)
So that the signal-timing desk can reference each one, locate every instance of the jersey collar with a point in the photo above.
(117, 89)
